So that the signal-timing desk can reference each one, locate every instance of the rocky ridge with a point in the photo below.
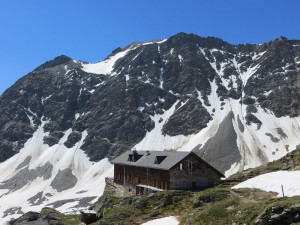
(116, 108)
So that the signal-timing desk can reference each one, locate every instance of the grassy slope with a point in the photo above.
(218, 205)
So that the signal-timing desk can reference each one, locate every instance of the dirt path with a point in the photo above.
(253, 195)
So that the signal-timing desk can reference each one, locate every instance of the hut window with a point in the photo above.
(159, 159)
(180, 166)
(189, 165)
(134, 157)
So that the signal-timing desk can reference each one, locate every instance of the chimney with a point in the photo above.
(134, 151)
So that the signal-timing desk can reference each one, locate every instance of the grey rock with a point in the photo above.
(46, 216)
(53, 138)
(80, 192)
(25, 176)
(64, 180)
(189, 119)
(12, 211)
(82, 202)
(274, 139)
(37, 199)
(221, 150)
(240, 124)
(281, 133)
(73, 138)
(24, 163)
(250, 118)
(251, 108)
(284, 215)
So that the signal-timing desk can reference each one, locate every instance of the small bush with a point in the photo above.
(210, 196)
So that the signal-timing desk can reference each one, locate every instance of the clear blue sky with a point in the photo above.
(34, 31)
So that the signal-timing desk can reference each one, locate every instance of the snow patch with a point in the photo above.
(77, 115)
(46, 98)
(105, 67)
(172, 51)
(180, 58)
(155, 140)
(90, 175)
(31, 120)
(161, 41)
(161, 78)
(171, 220)
(137, 55)
(290, 180)
(267, 93)
(233, 169)
(258, 56)
(97, 85)
(289, 126)
(250, 71)
(156, 41)
(141, 109)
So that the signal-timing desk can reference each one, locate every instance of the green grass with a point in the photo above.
(71, 219)
(119, 213)
(232, 209)
(217, 205)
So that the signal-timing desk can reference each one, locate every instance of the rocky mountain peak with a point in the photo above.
(59, 60)
(116, 101)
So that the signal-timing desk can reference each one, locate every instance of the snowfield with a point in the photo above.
(80, 185)
(254, 144)
(290, 180)
(171, 220)
(104, 67)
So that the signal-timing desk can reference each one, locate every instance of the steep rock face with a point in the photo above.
(222, 150)
(276, 82)
(115, 100)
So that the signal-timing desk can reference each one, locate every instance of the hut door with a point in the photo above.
(193, 185)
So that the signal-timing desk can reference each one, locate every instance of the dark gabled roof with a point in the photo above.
(171, 159)
(163, 160)
(208, 165)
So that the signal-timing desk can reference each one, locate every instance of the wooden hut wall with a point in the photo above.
(138, 175)
(192, 174)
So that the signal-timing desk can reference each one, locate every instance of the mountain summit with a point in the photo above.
(237, 106)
